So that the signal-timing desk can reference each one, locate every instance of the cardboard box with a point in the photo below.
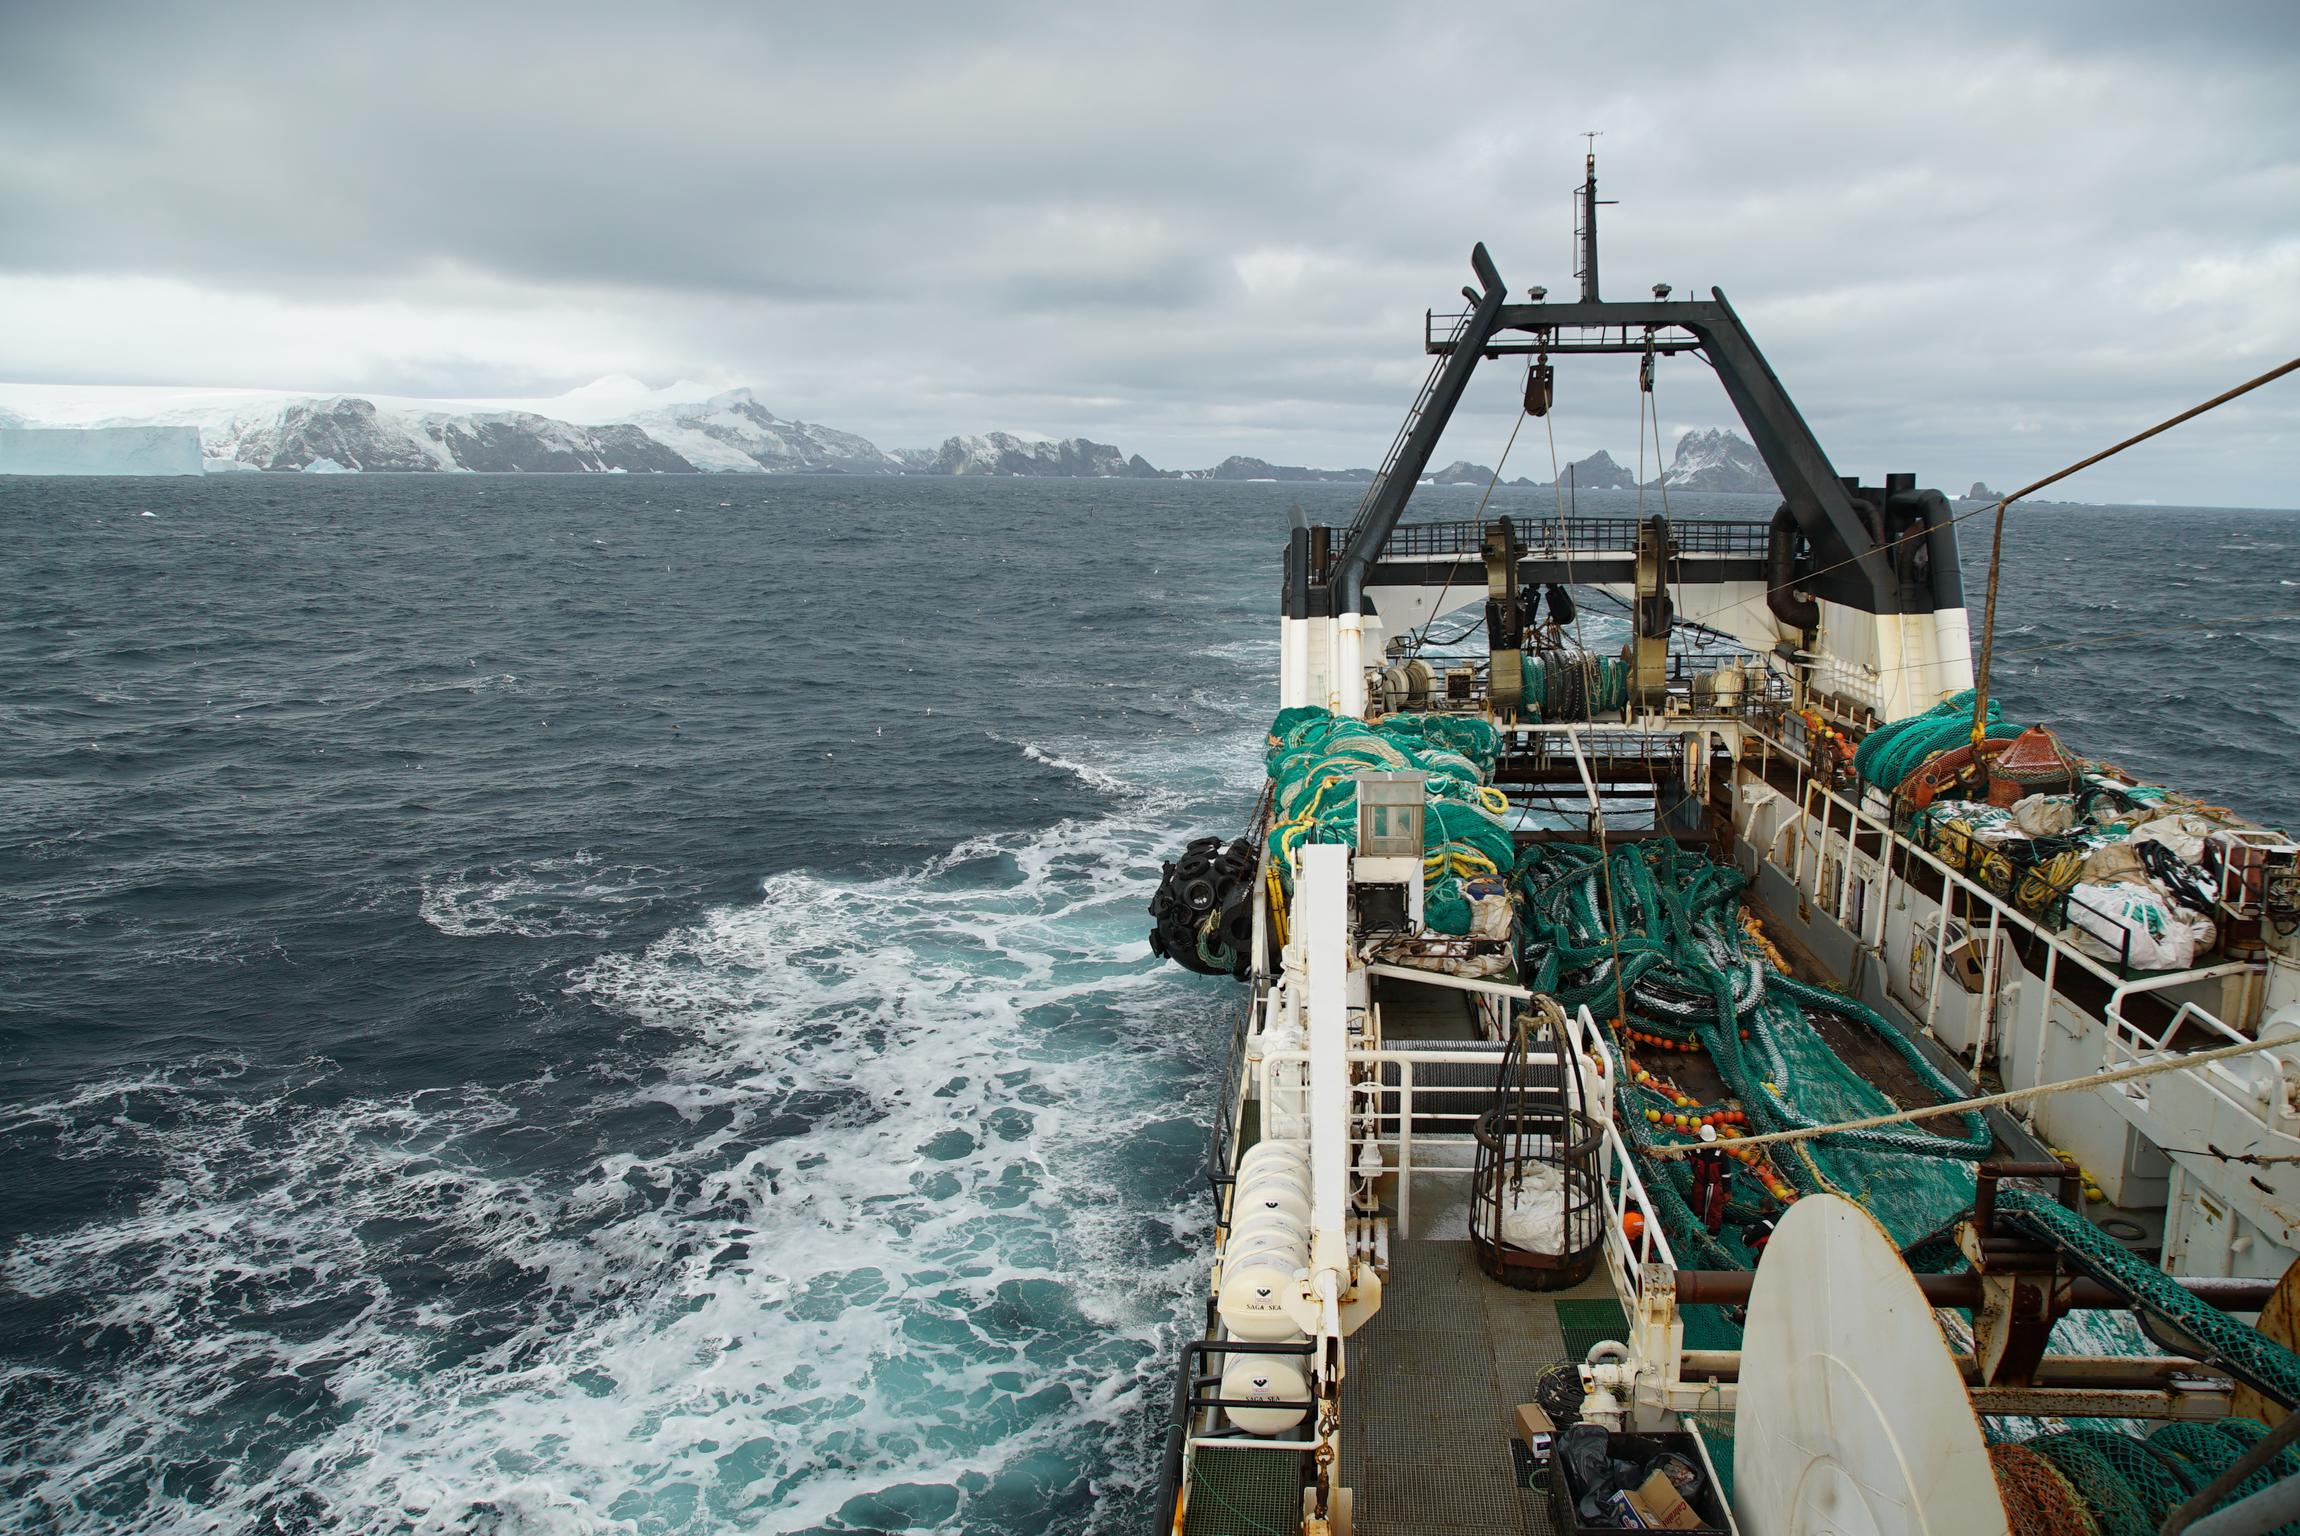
(1657, 1503)
(1533, 1429)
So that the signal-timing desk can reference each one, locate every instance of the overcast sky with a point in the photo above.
(1976, 241)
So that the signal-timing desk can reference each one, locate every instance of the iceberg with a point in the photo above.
(99, 451)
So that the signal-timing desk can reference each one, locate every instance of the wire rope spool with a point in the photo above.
(1852, 1419)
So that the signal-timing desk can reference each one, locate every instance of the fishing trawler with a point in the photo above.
(1737, 1081)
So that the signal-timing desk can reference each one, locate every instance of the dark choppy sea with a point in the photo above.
(603, 1004)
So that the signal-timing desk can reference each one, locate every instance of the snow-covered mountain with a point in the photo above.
(621, 424)
(1240, 467)
(732, 431)
(726, 431)
(356, 434)
(1598, 472)
(1002, 453)
(1718, 460)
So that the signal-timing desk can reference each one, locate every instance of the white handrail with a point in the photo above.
(1624, 1187)
(1622, 1183)
(1965, 883)
(2120, 1026)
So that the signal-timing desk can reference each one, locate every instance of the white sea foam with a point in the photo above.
(903, 1271)
(1258, 652)
(537, 898)
(1091, 777)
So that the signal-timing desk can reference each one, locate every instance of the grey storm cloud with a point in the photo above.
(1976, 240)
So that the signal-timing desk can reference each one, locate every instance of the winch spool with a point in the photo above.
(1851, 1414)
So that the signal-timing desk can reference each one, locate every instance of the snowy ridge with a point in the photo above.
(1002, 453)
(732, 431)
(620, 424)
(1718, 460)
(356, 434)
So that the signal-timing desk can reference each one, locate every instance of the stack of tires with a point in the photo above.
(1203, 914)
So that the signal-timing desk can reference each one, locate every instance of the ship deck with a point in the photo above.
(1435, 1378)
(1426, 1435)
(1437, 1373)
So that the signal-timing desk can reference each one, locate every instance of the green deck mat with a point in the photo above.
(1585, 1324)
(1244, 1493)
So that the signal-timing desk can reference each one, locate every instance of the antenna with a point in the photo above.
(1585, 226)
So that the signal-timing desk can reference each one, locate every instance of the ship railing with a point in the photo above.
(1392, 1100)
(1441, 334)
(1555, 537)
(1229, 1107)
(1194, 1423)
(1627, 1258)
(2129, 1043)
(1198, 1401)
(1860, 906)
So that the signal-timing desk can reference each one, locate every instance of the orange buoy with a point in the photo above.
(1633, 1223)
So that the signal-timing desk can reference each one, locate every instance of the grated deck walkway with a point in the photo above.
(1435, 1377)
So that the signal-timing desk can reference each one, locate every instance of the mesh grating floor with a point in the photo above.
(1244, 1493)
(1433, 1379)
(1585, 1323)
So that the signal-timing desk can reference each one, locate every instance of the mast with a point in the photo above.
(1589, 224)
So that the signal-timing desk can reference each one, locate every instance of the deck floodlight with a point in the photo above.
(1661, 290)
(1537, 293)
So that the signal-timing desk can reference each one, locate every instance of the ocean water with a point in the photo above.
(619, 1004)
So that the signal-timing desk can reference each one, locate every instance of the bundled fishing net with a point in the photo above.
(2115, 1507)
(1314, 758)
(2039, 1500)
(1898, 748)
(1652, 937)
(2121, 1484)
(1575, 686)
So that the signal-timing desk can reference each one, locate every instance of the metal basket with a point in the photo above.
(1538, 1120)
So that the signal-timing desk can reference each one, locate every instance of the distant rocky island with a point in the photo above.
(730, 432)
